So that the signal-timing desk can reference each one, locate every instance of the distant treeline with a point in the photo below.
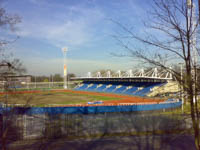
(51, 78)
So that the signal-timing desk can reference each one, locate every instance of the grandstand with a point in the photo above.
(138, 84)
(169, 87)
(131, 88)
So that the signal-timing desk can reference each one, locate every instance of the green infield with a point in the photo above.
(48, 98)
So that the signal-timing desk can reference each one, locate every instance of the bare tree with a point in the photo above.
(199, 8)
(173, 37)
(8, 66)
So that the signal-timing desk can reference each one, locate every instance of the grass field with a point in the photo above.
(49, 97)
(69, 97)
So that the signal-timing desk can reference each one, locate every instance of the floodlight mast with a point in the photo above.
(64, 50)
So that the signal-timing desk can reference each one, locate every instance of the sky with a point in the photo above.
(85, 27)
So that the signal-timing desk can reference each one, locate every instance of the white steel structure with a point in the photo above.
(150, 74)
(64, 50)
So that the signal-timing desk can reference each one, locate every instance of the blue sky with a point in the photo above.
(83, 26)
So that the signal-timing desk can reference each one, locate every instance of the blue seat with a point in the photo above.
(146, 89)
(92, 88)
(83, 87)
(120, 90)
(130, 91)
(110, 89)
(101, 88)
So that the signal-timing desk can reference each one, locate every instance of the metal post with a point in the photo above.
(130, 73)
(89, 75)
(119, 74)
(142, 72)
(52, 80)
(170, 72)
(49, 81)
(98, 74)
(65, 67)
(181, 87)
(26, 84)
(35, 82)
(156, 72)
(108, 74)
(24, 127)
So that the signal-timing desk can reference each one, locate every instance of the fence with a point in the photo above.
(92, 109)
(80, 125)
(38, 85)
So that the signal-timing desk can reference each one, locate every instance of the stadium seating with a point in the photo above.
(110, 88)
(82, 86)
(137, 88)
(101, 87)
(143, 91)
(91, 87)
(129, 90)
(146, 89)
(119, 89)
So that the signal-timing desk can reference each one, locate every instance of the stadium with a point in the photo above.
(98, 97)
(45, 105)
(140, 84)
(142, 89)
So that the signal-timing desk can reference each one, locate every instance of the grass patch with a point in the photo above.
(186, 109)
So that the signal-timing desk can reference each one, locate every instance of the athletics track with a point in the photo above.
(121, 99)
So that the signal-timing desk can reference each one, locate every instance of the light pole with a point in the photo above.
(64, 50)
